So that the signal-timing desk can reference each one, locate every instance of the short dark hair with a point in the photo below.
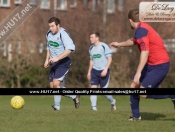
(97, 34)
(54, 19)
(134, 15)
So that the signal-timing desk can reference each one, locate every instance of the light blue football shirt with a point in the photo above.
(57, 43)
(99, 55)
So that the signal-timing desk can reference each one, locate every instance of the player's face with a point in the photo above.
(93, 38)
(53, 27)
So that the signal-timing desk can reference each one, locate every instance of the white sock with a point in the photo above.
(93, 99)
(110, 98)
(71, 96)
(57, 100)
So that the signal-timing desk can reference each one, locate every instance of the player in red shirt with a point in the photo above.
(154, 61)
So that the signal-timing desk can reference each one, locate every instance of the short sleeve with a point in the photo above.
(67, 41)
(141, 38)
(90, 52)
(108, 51)
(47, 42)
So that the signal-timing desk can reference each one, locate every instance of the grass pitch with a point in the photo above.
(38, 116)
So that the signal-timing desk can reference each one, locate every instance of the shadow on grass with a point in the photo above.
(154, 116)
(151, 116)
(167, 119)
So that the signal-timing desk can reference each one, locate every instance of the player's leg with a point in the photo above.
(135, 99)
(62, 85)
(61, 71)
(134, 103)
(154, 79)
(51, 84)
(57, 98)
(69, 96)
(93, 99)
(64, 68)
(104, 83)
(60, 76)
(94, 82)
(172, 97)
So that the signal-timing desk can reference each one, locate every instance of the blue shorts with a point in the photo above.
(152, 76)
(96, 78)
(59, 69)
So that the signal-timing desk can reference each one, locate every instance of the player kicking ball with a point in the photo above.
(59, 46)
(99, 72)
(154, 61)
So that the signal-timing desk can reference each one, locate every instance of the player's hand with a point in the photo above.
(89, 76)
(46, 64)
(52, 60)
(103, 73)
(114, 45)
(137, 78)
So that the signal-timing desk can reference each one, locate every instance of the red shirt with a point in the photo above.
(148, 39)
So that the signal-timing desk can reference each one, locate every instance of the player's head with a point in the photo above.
(94, 37)
(133, 17)
(54, 25)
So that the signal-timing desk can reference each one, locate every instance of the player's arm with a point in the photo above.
(68, 44)
(143, 60)
(104, 72)
(108, 63)
(143, 41)
(46, 64)
(69, 47)
(108, 54)
(126, 43)
(89, 70)
(64, 54)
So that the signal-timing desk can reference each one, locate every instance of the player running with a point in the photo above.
(154, 61)
(99, 72)
(59, 46)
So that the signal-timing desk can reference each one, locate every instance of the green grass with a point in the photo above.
(38, 116)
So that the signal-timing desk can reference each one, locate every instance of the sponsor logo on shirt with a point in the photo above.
(54, 44)
(96, 55)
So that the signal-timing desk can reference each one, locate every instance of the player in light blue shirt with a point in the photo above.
(99, 72)
(59, 46)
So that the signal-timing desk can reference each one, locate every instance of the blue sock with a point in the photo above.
(160, 96)
(134, 102)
